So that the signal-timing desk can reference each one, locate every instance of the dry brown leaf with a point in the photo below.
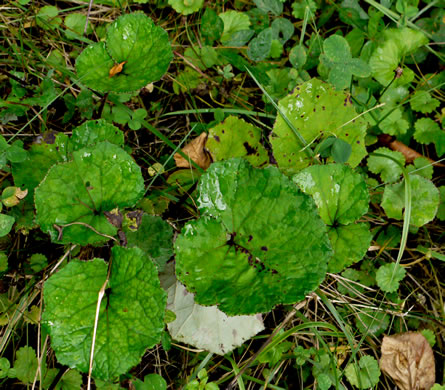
(408, 359)
(195, 150)
(116, 69)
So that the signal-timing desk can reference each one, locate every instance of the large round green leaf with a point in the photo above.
(340, 193)
(100, 178)
(342, 197)
(95, 131)
(130, 318)
(316, 111)
(350, 244)
(259, 242)
(134, 41)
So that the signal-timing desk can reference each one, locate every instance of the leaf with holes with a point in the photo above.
(132, 39)
(100, 178)
(256, 229)
(236, 138)
(317, 112)
(130, 318)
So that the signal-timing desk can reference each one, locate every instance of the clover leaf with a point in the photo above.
(316, 110)
(342, 197)
(100, 178)
(236, 138)
(212, 26)
(283, 30)
(424, 200)
(337, 57)
(273, 6)
(259, 47)
(6, 222)
(136, 52)
(259, 241)
(130, 317)
(186, 7)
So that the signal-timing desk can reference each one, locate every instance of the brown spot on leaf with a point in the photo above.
(114, 217)
(249, 149)
(117, 68)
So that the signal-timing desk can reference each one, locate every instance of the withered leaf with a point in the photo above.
(408, 359)
(116, 69)
(196, 151)
(114, 217)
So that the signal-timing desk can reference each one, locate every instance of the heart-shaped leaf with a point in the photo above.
(258, 236)
(130, 318)
(342, 197)
(136, 52)
(72, 198)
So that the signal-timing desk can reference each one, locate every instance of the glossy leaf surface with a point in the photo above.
(100, 178)
(316, 111)
(132, 39)
(255, 245)
(130, 319)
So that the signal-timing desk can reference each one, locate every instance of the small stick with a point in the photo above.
(88, 17)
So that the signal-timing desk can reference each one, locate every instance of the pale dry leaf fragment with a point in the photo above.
(195, 149)
(408, 359)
